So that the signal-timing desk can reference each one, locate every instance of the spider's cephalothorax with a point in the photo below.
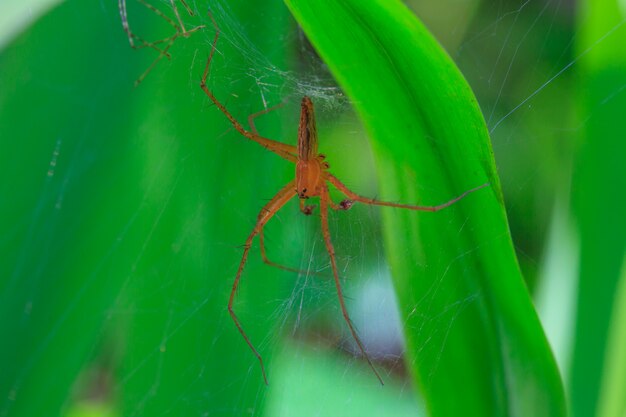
(312, 180)
(310, 165)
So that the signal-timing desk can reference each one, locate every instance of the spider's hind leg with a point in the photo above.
(277, 265)
(266, 213)
(324, 203)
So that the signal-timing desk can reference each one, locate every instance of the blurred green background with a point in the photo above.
(122, 209)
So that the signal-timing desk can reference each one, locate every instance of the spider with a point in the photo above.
(311, 180)
(156, 45)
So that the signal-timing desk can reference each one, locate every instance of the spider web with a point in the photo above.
(518, 58)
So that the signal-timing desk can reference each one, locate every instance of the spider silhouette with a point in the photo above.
(311, 180)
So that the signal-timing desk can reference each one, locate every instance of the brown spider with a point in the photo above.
(312, 178)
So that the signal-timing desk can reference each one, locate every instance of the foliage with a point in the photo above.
(466, 312)
(121, 209)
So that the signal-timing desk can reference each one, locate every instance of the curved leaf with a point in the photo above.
(474, 342)
(599, 204)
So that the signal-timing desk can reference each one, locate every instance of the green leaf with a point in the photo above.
(17, 15)
(122, 213)
(474, 342)
(599, 205)
(611, 402)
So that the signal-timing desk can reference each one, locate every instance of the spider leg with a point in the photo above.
(164, 53)
(266, 213)
(180, 30)
(283, 150)
(340, 206)
(261, 113)
(306, 210)
(324, 202)
(121, 4)
(187, 7)
(279, 266)
(156, 45)
(180, 22)
(346, 204)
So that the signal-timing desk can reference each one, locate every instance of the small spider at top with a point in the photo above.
(162, 46)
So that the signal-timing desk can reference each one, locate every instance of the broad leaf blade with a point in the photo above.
(599, 205)
(475, 345)
(123, 214)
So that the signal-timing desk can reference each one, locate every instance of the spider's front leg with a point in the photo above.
(283, 150)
